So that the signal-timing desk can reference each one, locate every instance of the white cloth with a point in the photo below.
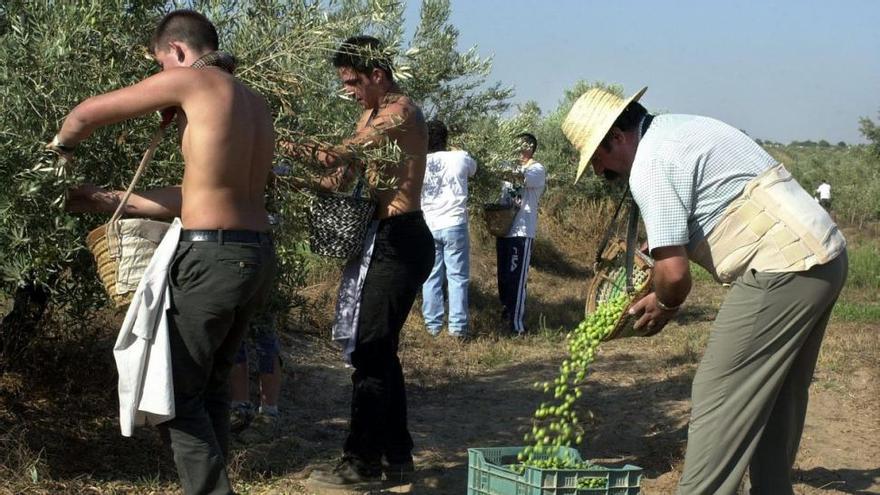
(445, 188)
(142, 350)
(525, 224)
(824, 190)
(348, 301)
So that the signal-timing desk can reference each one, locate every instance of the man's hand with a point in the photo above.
(64, 153)
(89, 198)
(672, 283)
(653, 318)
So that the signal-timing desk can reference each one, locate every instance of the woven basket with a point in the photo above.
(499, 218)
(124, 247)
(610, 281)
(338, 223)
(122, 252)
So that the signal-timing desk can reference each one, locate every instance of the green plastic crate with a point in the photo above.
(487, 475)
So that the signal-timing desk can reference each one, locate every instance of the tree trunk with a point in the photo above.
(19, 326)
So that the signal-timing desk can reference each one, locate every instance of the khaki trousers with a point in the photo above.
(750, 392)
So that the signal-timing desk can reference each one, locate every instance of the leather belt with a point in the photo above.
(222, 236)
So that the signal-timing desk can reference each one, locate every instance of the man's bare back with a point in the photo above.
(227, 140)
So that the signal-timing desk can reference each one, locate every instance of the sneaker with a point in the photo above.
(263, 428)
(398, 472)
(346, 474)
(240, 417)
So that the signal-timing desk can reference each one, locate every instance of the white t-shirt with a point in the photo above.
(445, 188)
(824, 190)
(526, 222)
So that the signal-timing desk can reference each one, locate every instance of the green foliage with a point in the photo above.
(864, 267)
(853, 172)
(557, 153)
(856, 312)
(55, 54)
(52, 55)
(449, 83)
(871, 131)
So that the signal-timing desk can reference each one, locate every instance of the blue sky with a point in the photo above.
(779, 69)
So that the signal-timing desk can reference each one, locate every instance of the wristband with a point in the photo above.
(58, 145)
(665, 307)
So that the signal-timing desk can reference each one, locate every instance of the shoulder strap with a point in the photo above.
(612, 226)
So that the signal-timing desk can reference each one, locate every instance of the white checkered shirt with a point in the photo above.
(686, 171)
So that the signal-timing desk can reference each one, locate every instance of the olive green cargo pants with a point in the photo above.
(750, 392)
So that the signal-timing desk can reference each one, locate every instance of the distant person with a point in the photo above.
(709, 193)
(221, 272)
(444, 202)
(263, 340)
(823, 192)
(524, 187)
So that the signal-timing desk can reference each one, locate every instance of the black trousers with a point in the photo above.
(215, 289)
(403, 256)
(514, 255)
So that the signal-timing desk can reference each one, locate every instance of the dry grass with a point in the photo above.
(58, 427)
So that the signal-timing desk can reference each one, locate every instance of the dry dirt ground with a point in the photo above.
(471, 394)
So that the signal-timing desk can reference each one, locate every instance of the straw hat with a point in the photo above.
(590, 119)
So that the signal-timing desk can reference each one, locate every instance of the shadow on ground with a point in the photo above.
(854, 481)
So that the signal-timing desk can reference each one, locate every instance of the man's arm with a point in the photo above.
(156, 203)
(165, 89)
(672, 284)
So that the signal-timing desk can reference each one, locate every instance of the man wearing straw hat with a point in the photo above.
(398, 259)
(710, 194)
(221, 271)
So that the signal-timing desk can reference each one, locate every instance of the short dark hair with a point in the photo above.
(187, 26)
(363, 54)
(437, 135)
(529, 140)
(628, 120)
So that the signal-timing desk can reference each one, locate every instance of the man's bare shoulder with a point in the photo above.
(398, 110)
(402, 105)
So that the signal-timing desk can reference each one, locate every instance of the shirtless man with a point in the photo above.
(402, 258)
(223, 266)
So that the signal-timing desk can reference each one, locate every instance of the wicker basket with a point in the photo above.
(123, 247)
(338, 223)
(122, 252)
(499, 218)
(610, 281)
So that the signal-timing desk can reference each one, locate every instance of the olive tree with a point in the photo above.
(54, 54)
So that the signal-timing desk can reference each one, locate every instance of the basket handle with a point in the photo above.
(632, 230)
(145, 160)
(612, 226)
(148, 156)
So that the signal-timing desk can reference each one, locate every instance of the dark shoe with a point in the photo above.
(240, 417)
(346, 474)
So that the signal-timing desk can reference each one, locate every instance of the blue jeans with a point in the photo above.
(451, 265)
